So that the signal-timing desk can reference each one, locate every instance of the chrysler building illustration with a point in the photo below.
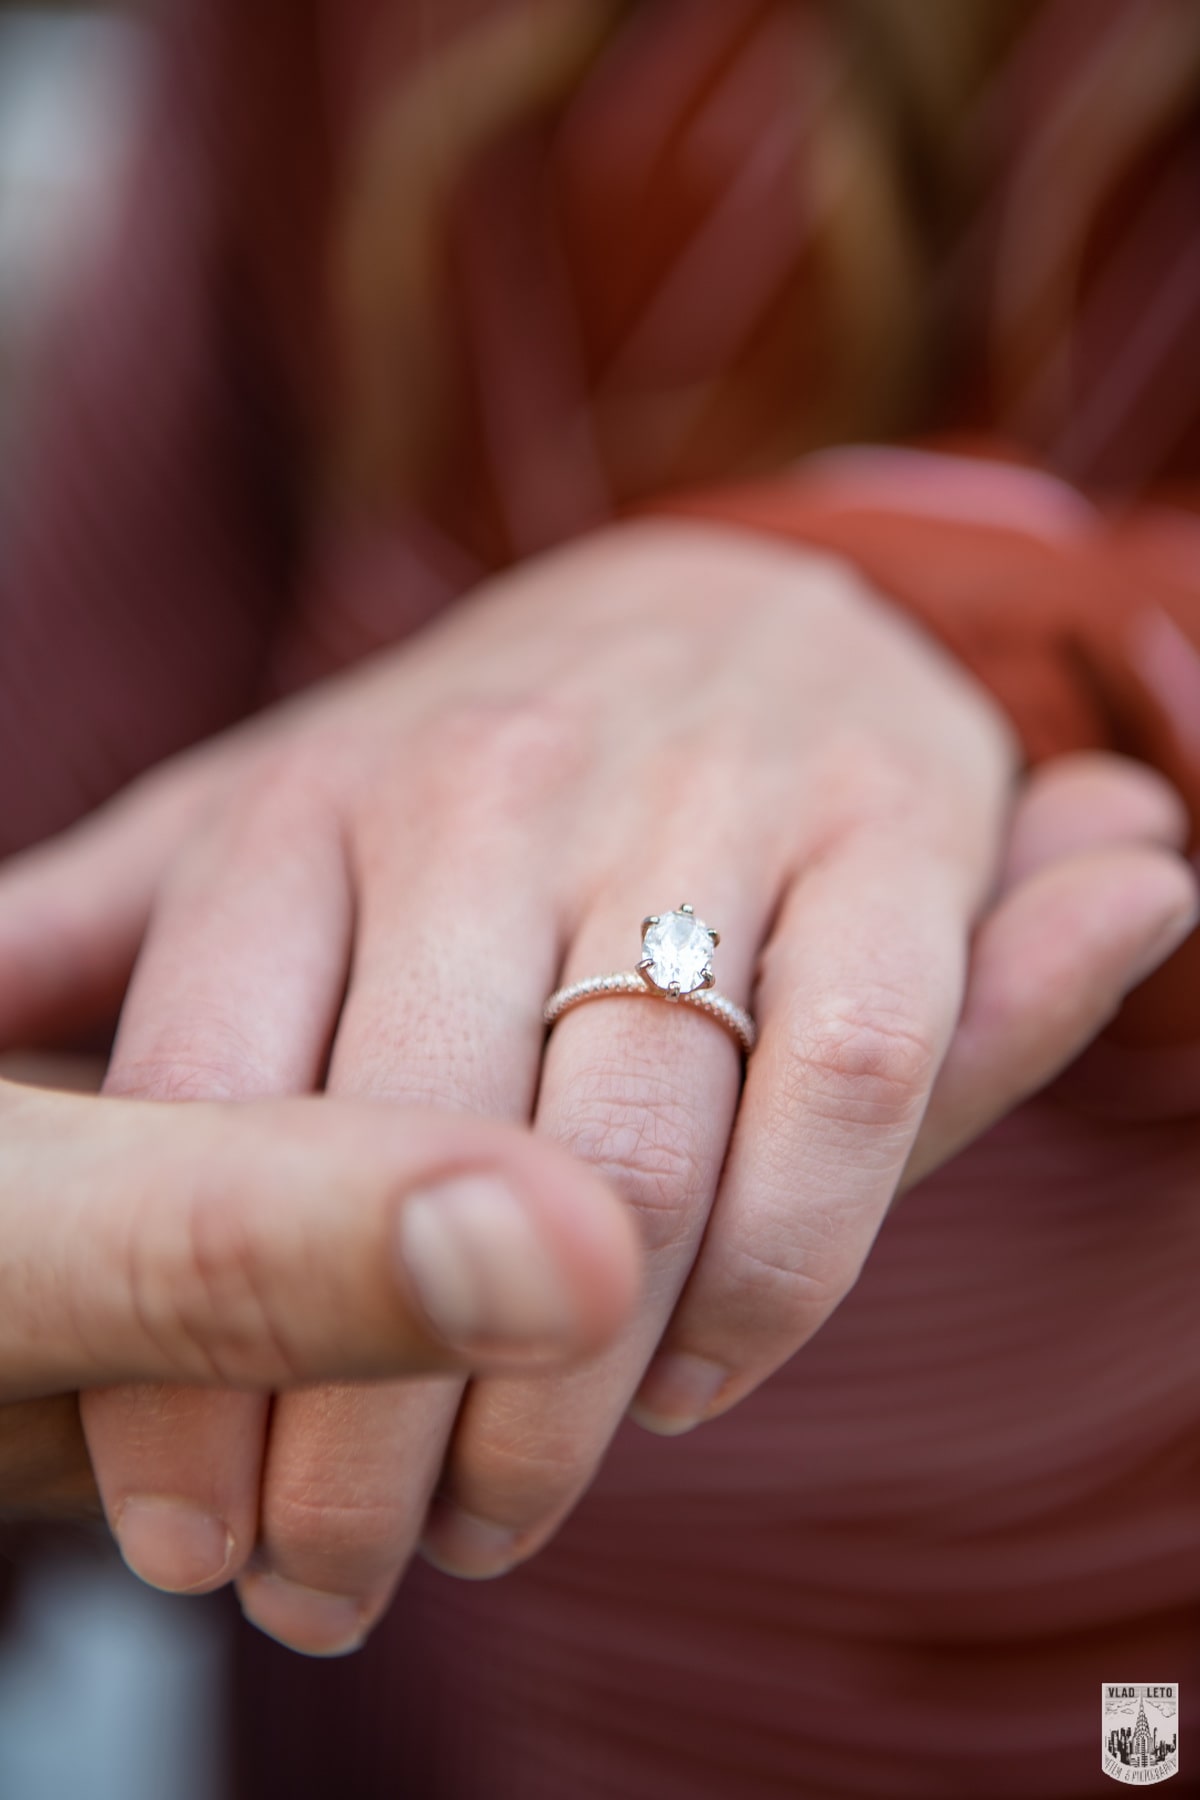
(1142, 1747)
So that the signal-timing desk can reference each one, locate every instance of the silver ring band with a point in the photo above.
(735, 1019)
(676, 966)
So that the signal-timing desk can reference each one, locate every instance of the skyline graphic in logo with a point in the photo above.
(1139, 1731)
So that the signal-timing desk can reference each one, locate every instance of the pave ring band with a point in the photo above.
(675, 965)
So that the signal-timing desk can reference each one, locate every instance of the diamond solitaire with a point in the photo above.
(676, 964)
(677, 952)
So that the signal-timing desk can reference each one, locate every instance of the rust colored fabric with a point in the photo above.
(390, 354)
(1087, 629)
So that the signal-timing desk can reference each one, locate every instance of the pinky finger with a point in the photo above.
(1049, 967)
(1086, 800)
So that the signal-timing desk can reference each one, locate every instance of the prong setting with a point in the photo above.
(676, 964)
(677, 952)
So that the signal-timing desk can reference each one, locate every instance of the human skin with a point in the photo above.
(377, 887)
(264, 1246)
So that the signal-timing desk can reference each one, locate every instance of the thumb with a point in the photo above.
(259, 1245)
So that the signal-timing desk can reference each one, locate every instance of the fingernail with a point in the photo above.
(676, 1392)
(303, 1618)
(171, 1544)
(479, 1267)
(1166, 940)
(461, 1544)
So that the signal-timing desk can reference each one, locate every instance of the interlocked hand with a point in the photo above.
(376, 888)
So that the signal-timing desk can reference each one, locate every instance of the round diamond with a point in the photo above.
(679, 950)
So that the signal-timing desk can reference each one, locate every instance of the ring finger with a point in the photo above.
(646, 1092)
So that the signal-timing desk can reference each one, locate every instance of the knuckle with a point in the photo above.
(521, 1476)
(287, 777)
(334, 1537)
(217, 1062)
(872, 783)
(498, 757)
(198, 1290)
(860, 1064)
(792, 1280)
(283, 791)
(640, 1133)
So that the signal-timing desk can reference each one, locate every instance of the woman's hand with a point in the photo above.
(388, 878)
(265, 1246)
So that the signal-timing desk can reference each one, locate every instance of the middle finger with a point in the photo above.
(442, 1008)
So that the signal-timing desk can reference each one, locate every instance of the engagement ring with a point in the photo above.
(675, 965)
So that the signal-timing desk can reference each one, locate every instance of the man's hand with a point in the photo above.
(274, 1245)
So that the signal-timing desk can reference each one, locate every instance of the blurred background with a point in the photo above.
(69, 90)
(107, 1690)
